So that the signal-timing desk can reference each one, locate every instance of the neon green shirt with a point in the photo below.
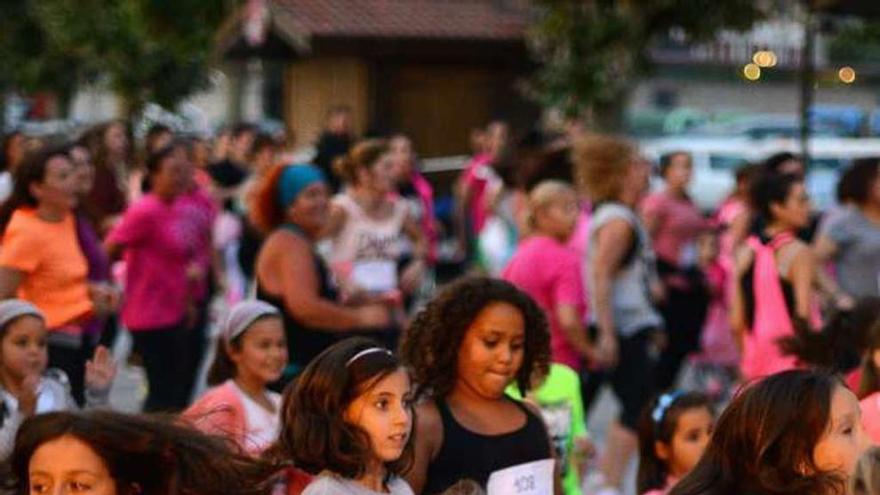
(559, 398)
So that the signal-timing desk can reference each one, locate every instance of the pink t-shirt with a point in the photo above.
(477, 175)
(870, 406)
(550, 273)
(157, 255)
(679, 222)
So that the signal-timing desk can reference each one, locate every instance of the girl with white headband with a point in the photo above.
(251, 354)
(348, 421)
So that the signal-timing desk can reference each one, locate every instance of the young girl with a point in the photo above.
(348, 420)
(26, 387)
(869, 386)
(477, 336)
(367, 225)
(673, 433)
(251, 353)
(559, 398)
(796, 432)
(716, 363)
(103, 453)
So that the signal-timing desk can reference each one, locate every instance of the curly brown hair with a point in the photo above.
(431, 344)
(601, 163)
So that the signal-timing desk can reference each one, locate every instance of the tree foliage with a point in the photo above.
(592, 52)
(146, 50)
(857, 43)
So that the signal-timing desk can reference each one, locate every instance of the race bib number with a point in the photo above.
(532, 478)
(375, 276)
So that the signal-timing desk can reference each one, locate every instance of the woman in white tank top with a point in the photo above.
(367, 225)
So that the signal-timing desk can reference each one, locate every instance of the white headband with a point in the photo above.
(364, 352)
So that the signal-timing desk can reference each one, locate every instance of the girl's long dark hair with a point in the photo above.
(763, 443)
(149, 455)
(314, 432)
(32, 170)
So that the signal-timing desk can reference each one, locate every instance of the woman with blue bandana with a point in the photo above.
(291, 207)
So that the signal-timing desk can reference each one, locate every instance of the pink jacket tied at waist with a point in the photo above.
(772, 321)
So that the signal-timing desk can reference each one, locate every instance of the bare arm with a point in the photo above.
(612, 242)
(10, 279)
(737, 315)
(802, 273)
(114, 250)
(335, 223)
(463, 194)
(652, 220)
(739, 228)
(825, 249)
(428, 438)
(413, 230)
(574, 330)
(413, 273)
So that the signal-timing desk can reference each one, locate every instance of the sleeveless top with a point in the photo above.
(469, 455)
(631, 303)
(366, 250)
(303, 342)
(769, 300)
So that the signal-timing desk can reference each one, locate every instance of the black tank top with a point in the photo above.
(469, 455)
(303, 342)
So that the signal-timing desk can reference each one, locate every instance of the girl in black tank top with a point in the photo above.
(466, 454)
(477, 336)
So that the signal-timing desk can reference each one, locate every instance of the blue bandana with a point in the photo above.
(294, 179)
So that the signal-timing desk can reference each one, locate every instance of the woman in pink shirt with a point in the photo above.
(162, 279)
(774, 273)
(675, 222)
(546, 269)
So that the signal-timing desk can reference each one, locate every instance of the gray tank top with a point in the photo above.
(631, 303)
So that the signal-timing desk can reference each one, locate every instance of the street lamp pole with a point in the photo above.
(807, 79)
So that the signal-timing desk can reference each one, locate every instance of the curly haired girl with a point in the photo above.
(473, 339)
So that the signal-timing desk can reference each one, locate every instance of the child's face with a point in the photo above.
(68, 465)
(844, 440)
(385, 413)
(23, 349)
(692, 433)
(263, 352)
(491, 352)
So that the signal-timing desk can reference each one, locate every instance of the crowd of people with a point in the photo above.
(344, 363)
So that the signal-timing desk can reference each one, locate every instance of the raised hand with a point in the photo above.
(27, 397)
(100, 370)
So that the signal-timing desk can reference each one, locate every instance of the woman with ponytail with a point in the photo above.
(367, 225)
